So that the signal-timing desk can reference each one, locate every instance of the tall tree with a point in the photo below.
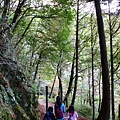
(105, 107)
(112, 68)
(71, 80)
(92, 52)
(59, 73)
(76, 56)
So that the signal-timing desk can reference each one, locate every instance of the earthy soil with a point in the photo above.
(42, 108)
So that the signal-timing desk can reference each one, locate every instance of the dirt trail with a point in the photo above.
(42, 108)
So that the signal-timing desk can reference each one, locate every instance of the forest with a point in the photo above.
(71, 46)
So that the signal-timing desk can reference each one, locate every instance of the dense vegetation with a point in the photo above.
(42, 43)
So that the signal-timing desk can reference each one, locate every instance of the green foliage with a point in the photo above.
(5, 115)
(65, 2)
(51, 34)
(85, 110)
(116, 118)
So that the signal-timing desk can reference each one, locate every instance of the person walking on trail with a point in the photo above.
(72, 113)
(49, 114)
(59, 108)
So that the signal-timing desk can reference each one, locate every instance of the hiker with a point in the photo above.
(72, 113)
(59, 109)
(49, 114)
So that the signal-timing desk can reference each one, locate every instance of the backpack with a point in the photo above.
(49, 117)
(58, 112)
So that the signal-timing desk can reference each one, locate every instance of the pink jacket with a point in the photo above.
(73, 117)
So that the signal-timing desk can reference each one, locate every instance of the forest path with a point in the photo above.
(42, 108)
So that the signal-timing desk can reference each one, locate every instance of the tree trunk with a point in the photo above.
(60, 87)
(76, 77)
(105, 107)
(93, 104)
(5, 10)
(89, 93)
(37, 66)
(16, 15)
(119, 111)
(53, 85)
(112, 68)
(99, 107)
(59, 78)
(71, 80)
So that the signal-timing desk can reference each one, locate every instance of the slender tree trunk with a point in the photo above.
(99, 107)
(93, 105)
(37, 66)
(53, 85)
(18, 11)
(16, 15)
(38, 89)
(46, 87)
(24, 32)
(59, 77)
(105, 107)
(60, 87)
(76, 77)
(71, 80)
(119, 111)
(112, 68)
(18, 21)
(6, 9)
(81, 91)
(89, 94)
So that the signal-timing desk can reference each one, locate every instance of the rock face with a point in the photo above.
(17, 100)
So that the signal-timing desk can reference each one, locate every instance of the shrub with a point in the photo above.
(85, 111)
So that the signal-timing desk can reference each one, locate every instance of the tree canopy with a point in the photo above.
(38, 46)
